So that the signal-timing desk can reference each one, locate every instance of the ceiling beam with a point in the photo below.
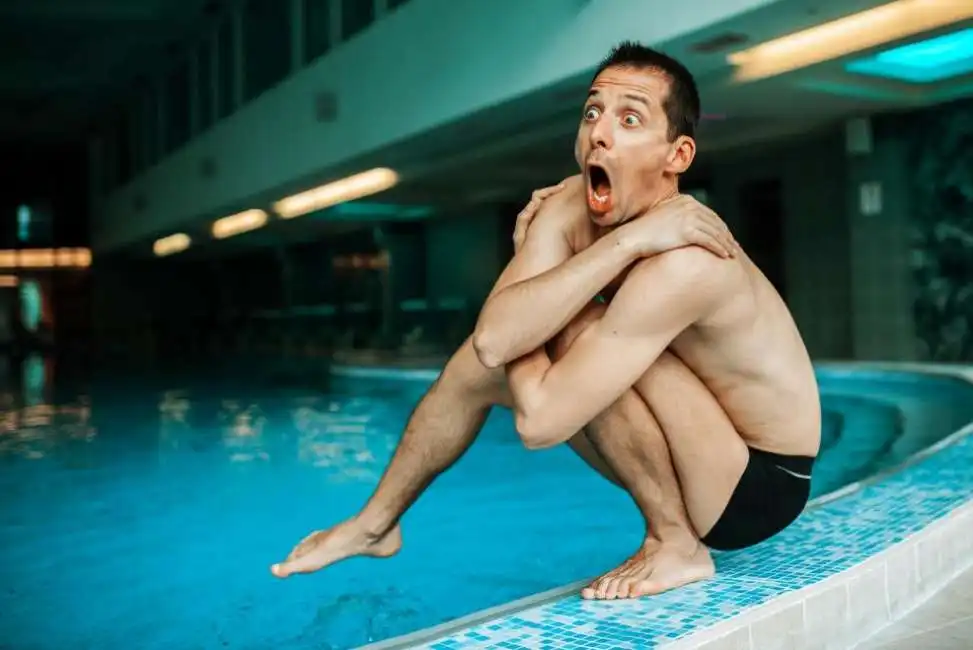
(69, 10)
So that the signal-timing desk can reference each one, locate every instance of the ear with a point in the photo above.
(681, 155)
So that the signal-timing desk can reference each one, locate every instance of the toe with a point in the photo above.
(643, 588)
(603, 585)
(625, 587)
(613, 586)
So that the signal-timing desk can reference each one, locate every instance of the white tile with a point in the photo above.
(736, 640)
(902, 579)
(930, 562)
(826, 622)
(781, 630)
(868, 609)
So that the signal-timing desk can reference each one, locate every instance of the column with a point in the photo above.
(195, 119)
(297, 35)
(239, 65)
(878, 205)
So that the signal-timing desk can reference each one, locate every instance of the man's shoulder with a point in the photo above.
(689, 264)
(685, 274)
(566, 211)
(564, 207)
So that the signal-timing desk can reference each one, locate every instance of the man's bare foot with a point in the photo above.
(655, 567)
(325, 547)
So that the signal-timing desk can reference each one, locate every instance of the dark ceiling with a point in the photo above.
(64, 62)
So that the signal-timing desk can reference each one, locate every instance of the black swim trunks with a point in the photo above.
(771, 494)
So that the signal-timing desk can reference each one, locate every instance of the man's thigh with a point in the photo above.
(707, 452)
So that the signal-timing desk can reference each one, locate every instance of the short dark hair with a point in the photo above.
(682, 105)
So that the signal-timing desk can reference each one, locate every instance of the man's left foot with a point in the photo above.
(656, 567)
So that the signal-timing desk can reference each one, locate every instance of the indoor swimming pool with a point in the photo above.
(143, 518)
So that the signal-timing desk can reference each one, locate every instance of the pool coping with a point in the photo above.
(920, 550)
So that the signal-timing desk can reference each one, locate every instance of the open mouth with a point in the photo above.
(599, 189)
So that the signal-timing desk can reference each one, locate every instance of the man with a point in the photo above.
(692, 389)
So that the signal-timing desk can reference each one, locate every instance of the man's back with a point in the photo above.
(747, 349)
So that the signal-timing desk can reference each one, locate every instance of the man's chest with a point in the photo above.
(583, 237)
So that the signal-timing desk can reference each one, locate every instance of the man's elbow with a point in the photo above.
(487, 350)
(535, 432)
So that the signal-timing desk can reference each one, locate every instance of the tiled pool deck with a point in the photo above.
(851, 564)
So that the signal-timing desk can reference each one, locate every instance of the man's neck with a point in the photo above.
(668, 190)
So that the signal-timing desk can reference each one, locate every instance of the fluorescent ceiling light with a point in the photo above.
(854, 33)
(347, 189)
(45, 258)
(239, 223)
(927, 61)
(172, 244)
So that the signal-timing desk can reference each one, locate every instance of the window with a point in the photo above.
(225, 70)
(149, 109)
(23, 223)
(266, 43)
(356, 15)
(177, 108)
(317, 28)
(123, 143)
(204, 84)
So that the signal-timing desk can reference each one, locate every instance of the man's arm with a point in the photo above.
(525, 314)
(660, 298)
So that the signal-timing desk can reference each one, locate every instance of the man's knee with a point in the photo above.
(590, 315)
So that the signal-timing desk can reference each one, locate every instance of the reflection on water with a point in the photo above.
(30, 426)
(349, 438)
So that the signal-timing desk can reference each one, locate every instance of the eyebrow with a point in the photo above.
(630, 96)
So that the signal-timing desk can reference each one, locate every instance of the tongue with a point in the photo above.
(600, 198)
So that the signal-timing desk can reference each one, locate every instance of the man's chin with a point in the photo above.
(605, 219)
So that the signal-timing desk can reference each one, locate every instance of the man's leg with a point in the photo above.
(441, 428)
(708, 454)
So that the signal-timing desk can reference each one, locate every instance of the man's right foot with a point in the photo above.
(656, 567)
(325, 547)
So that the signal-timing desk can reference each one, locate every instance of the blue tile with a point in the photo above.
(824, 541)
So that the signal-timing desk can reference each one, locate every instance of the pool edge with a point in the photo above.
(778, 616)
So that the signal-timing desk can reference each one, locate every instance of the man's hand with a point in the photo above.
(679, 222)
(530, 211)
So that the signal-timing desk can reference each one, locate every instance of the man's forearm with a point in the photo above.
(525, 315)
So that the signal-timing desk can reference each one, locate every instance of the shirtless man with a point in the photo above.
(692, 390)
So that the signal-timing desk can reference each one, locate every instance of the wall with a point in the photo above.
(882, 286)
(422, 66)
(935, 153)
(464, 257)
(817, 271)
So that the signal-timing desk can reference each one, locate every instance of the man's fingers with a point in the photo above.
(545, 192)
(711, 240)
(527, 215)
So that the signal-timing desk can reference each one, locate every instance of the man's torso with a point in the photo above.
(748, 352)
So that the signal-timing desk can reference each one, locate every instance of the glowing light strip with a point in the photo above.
(347, 189)
(847, 35)
(172, 244)
(239, 223)
(45, 258)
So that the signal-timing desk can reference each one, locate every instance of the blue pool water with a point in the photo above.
(148, 518)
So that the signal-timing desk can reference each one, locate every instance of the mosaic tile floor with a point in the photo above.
(825, 541)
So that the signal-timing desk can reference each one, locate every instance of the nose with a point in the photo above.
(601, 135)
